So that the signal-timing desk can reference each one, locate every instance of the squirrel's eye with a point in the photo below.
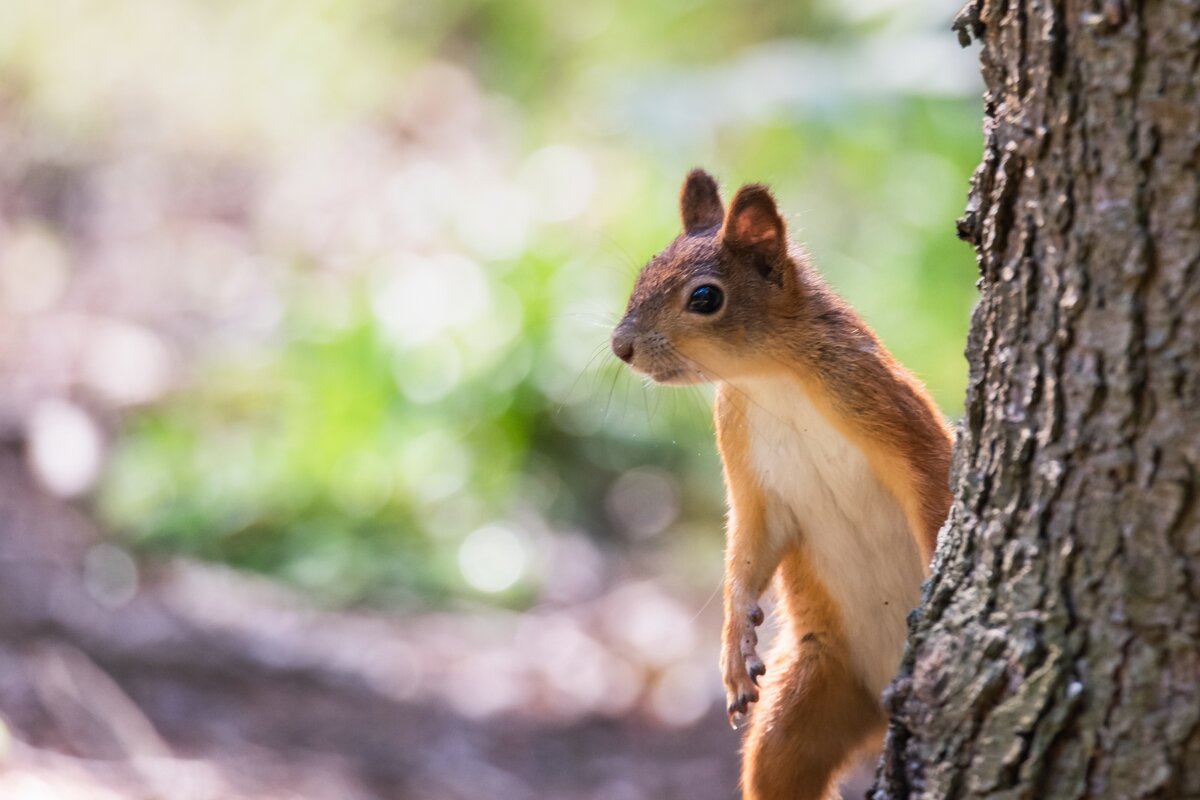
(706, 299)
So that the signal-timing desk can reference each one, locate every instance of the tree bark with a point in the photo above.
(1057, 651)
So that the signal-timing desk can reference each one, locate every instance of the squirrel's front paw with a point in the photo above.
(740, 663)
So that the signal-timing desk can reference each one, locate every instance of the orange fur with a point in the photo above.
(913, 464)
(813, 714)
(780, 320)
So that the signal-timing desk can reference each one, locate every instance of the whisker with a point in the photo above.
(624, 408)
(657, 404)
(708, 602)
(626, 258)
(612, 388)
(604, 319)
(700, 402)
(702, 370)
(587, 315)
(596, 353)
(602, 324)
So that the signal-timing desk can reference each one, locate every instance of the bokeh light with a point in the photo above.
(492, 558)
(65, 447)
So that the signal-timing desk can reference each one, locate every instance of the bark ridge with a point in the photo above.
(1057, 651)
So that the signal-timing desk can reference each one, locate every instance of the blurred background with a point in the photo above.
(317, 476)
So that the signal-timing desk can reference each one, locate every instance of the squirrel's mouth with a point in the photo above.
(678, 376)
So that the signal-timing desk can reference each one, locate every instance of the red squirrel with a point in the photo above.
(836, 464)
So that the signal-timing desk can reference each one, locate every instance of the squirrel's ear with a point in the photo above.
(753, 222)
(700, 202)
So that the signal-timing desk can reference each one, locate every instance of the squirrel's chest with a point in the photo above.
(822, 494)
(806, 463)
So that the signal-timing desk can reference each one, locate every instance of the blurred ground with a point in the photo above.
(210, 684)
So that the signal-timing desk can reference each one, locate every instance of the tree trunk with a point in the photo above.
(1057, 652)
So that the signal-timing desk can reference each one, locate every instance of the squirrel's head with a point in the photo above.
(704, 308)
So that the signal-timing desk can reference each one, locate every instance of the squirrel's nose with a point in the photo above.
(622, 345)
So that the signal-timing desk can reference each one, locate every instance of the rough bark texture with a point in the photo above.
(1057, 654)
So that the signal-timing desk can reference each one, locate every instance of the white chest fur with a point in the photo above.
(822, 495)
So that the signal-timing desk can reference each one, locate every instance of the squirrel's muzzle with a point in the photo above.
(622, 343)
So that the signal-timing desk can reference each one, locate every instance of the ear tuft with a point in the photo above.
(753, 221)
(700, 202)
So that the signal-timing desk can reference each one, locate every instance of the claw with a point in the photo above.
(740, 707)
(743, 701)
(741, 665)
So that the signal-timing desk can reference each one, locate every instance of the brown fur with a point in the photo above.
(780, 318)
(814, 713)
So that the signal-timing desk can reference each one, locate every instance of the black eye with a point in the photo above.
(706, 299)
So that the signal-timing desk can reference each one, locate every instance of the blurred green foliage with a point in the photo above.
(353, 453)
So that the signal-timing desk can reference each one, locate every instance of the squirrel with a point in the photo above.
(836, 464)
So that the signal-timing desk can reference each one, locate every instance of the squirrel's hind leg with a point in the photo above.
(813, 716)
